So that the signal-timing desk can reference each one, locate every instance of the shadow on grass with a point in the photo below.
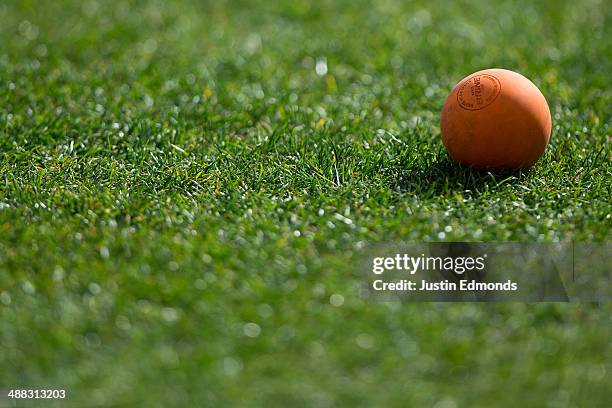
(443, 176)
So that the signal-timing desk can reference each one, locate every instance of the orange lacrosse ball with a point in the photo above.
(495, 119)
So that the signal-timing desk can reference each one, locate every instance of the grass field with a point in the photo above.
(185, 188)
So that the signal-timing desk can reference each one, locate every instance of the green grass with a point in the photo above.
(172, 171)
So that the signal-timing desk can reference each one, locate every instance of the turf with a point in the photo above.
(186, 188)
